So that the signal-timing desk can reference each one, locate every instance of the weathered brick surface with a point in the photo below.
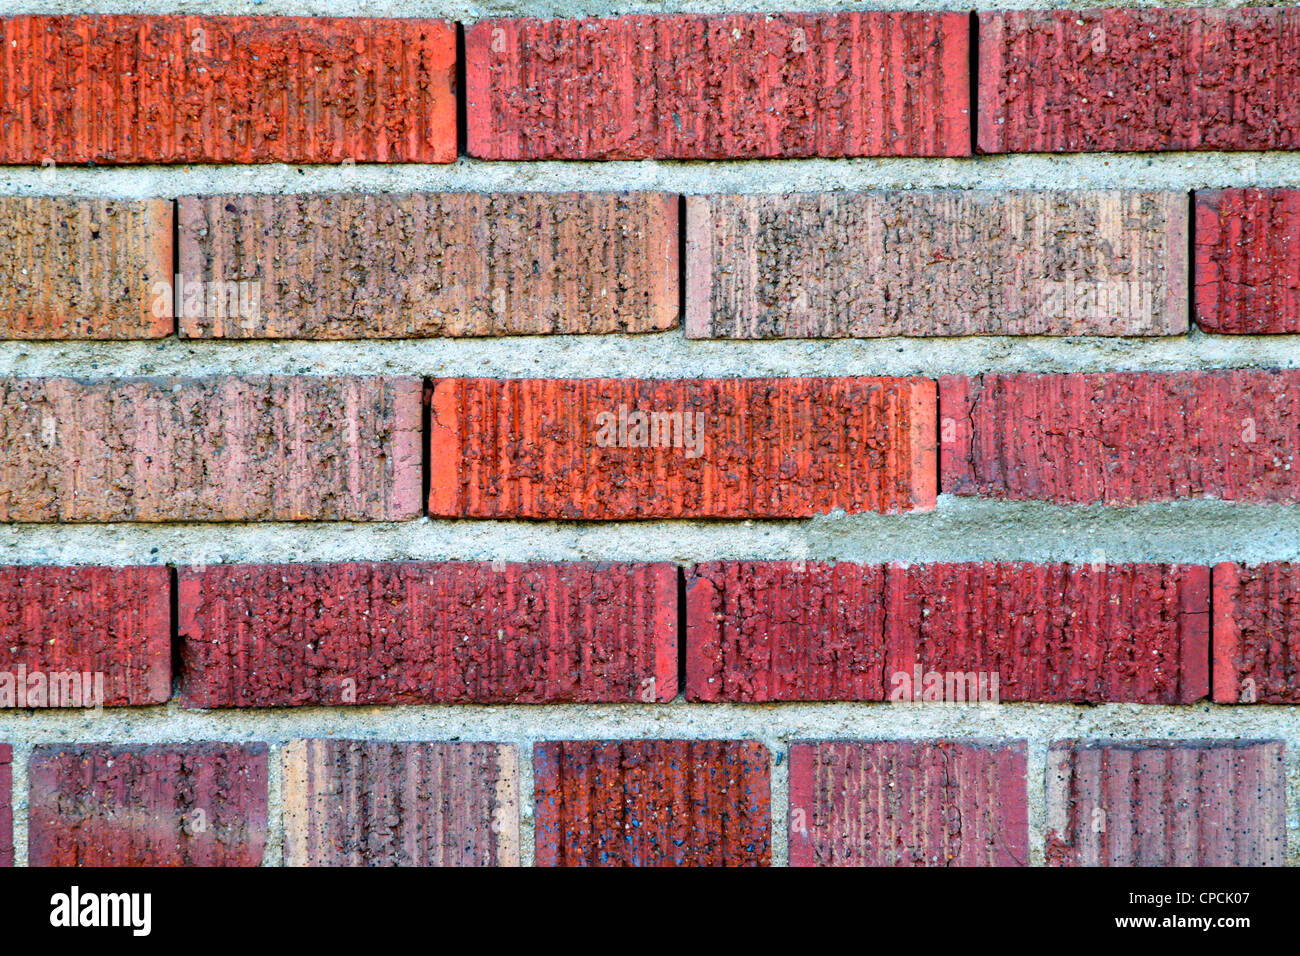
(1248, 260)
(1081, 80)
(213, 449)
(84, 268)
(780, 630)
(395, 266)
(375, 803)
(537, 448)
(941, 262)
(652, 803)
(452, 632)
(908, 803)
(1166, 803)
(718, 87)
(1257, 633)
(1122, 437)
(6, 806)
(193, 804)
(70, 624)
(194, 89)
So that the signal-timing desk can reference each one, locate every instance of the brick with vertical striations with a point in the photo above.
(1248, 260)
(1257, 633)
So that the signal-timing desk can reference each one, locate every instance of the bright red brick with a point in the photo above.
(652, 803)
(1166, 803)
(6, 806)
(192, 804)
(87, 631)
(1122, 437)
(1083, 80)
(1257, 633)
(723, 448)
(451, 632)
(720, 87)
(1248, 260)
(196, 89)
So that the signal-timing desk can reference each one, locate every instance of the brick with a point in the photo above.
(937, 262)
(369, 803)
(1257, 633)
(251, 448)
(6, 806)
(1248, 260)
(652, 803)
(84, 268)
(719, 87)
(1166, 803)
(450, 632)
(587, 449)
(759, 631)
(194, 89)
(192, 804)
(908, 803)
(92, 634)
(401, 266)
(1122, 437)
(1131, 80)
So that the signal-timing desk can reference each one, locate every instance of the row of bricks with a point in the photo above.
(172, 89)
(655, 802)
(946, 262)
(290, 448)
(753, 631)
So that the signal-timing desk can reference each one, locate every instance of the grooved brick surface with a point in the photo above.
(939, 262)
(1257, 633)
(1121, 438)
(359, 266)
(6, 806)
(716, 87)
(1166, 803)
(780, 630)
(194, 89)
(375, 803)
(85, 268)
(1084, 80)
(452, 632)
(69, 624)
(607, 449)
(908, 803)
(253, 448)
(652, 803)
(192, 804)
(1248, 260)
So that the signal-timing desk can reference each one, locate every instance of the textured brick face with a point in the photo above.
(717, 87)
(199, 804)
(1248, 260)
(1160, 803)
(84, 268)
(384, 266)
(948, 262)
(1122, 437)
(1257, 633)
(605, 449)
(777, 630)
(188, 89)
(218, 449)
(6, 806)
(1082, 80)
(367, 803)
(85, 621)
(908, 803)
(652, 803)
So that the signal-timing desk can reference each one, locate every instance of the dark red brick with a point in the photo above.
(1248, 260)
(1257, 633)
(6, 806)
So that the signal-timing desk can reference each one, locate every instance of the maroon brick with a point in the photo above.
(991, 631)
(451, 632)
(1257, 633)
(908, 803)
(652, 803)
(1166, 803)
(6, 806)
(1081, 80)
(85, 635)
(1248, 260)
(1122, 437)
(192, 804)
(717, 87)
